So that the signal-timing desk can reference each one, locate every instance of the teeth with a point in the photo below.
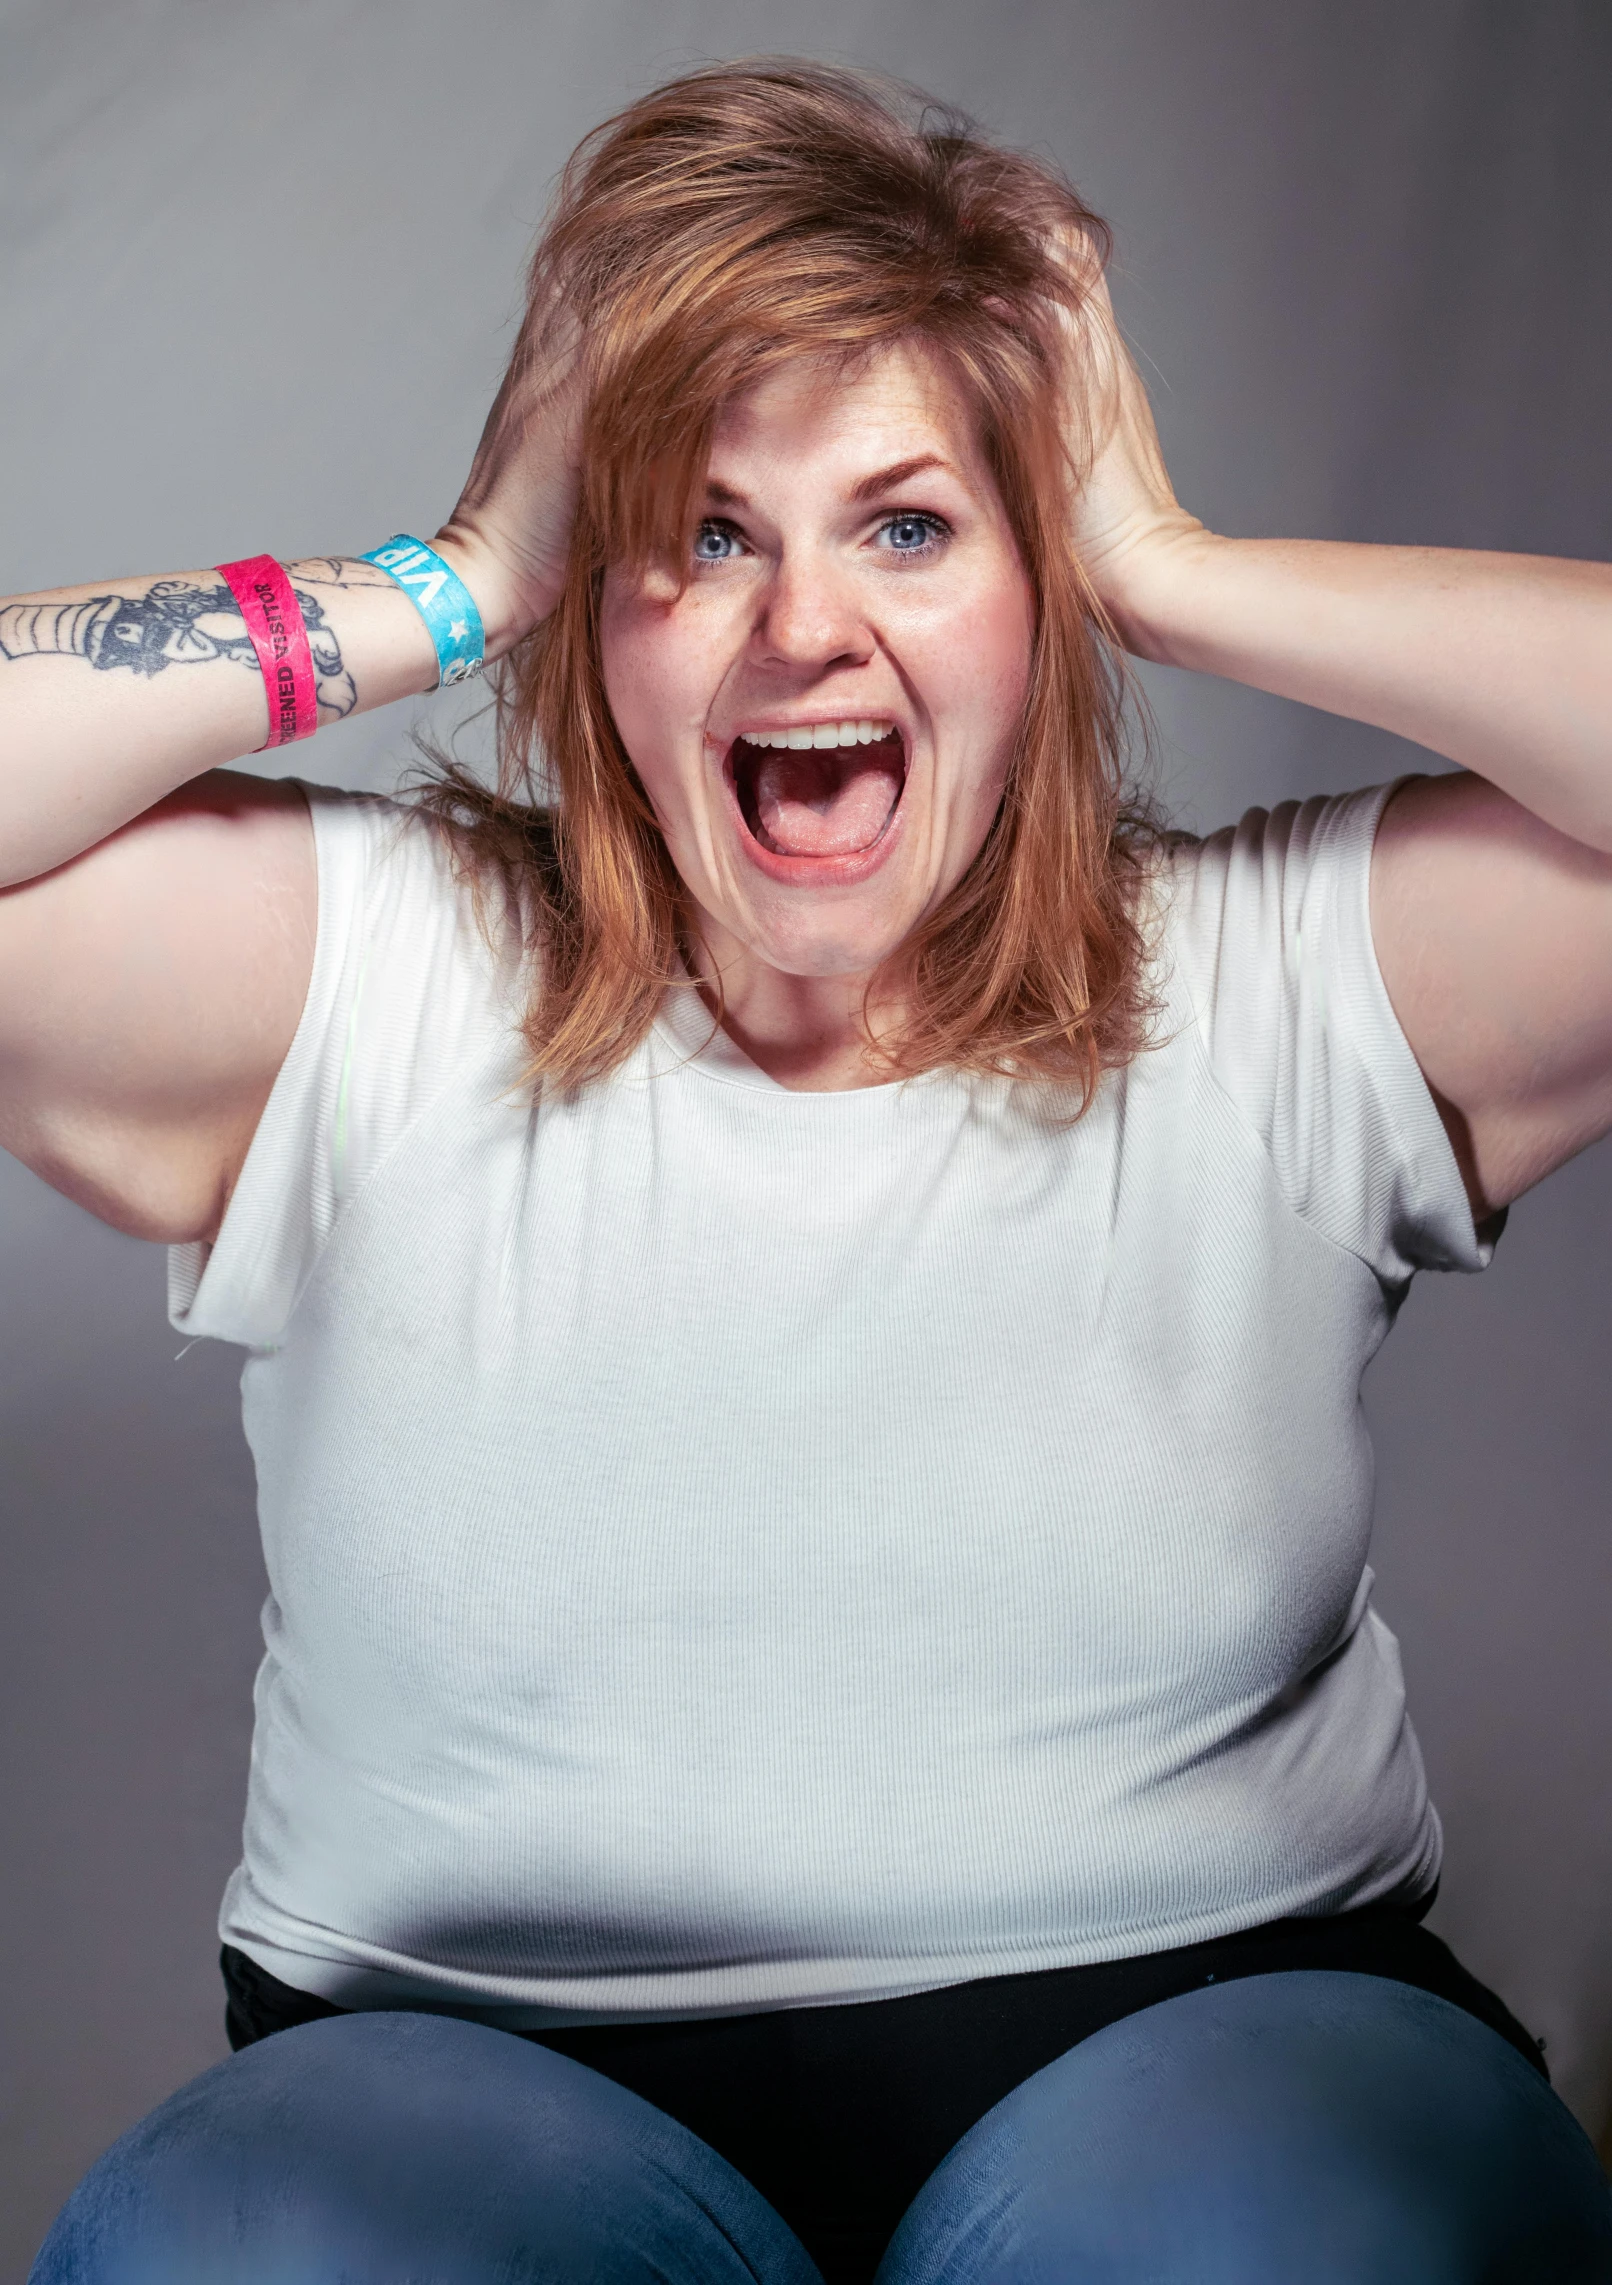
(807, 736)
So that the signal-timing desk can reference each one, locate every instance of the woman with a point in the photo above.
(805, 1306)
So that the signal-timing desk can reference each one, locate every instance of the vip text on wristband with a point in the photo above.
(273, 616)
(443, 601)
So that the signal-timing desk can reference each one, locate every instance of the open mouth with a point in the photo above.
(823, 789)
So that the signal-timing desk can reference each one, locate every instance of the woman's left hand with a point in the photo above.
(1131, 532)
(1491, 892)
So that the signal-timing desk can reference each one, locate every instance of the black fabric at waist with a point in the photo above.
(838, 2115)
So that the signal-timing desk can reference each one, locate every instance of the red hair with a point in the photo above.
(739, 217)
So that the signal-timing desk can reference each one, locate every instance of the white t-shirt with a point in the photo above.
(732, 1548)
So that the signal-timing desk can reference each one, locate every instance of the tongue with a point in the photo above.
(829, 803)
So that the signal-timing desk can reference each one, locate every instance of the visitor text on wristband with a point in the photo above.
(443, 601)
(273, 618)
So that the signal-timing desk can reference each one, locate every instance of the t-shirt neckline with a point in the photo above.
(701, 1045)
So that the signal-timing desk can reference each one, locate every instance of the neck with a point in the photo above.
(806, 1032)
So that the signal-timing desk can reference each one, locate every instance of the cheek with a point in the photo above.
(659, 680)
(1005, 643)
(639, 670)
(983, 680)
(629, 666)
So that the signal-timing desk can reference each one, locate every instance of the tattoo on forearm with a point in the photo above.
(180, 622)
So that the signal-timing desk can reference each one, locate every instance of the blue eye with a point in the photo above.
(715, 543)
(912, 534)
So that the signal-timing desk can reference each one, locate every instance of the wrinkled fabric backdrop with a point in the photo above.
(259, 270)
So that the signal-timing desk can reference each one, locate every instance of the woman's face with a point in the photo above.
(823, 718)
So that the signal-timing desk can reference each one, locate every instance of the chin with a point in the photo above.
(822, 944)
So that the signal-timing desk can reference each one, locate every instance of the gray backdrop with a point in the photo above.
(259, 265)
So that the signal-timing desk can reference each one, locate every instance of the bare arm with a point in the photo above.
(113, 695)
(149, 990)
(1502, 663)
(157, 911)
(1491, 893)
(157, 918)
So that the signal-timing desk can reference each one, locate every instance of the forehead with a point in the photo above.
(898, 404)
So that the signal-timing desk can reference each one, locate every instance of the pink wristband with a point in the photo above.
(274, 621)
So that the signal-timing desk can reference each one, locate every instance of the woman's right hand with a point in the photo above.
(157, 913)
(510, 532)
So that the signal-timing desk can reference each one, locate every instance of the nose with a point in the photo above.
(810, 614)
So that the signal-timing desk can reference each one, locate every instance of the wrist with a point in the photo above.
(509, 610)
(1153, 590)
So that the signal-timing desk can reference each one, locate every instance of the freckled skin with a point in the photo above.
(817, 609)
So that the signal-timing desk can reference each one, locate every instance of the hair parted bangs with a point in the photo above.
(738, 218)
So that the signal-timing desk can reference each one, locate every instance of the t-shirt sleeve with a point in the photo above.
(404, 990)
(1271, 931)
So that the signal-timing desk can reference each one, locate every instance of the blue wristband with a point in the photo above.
(443, 601)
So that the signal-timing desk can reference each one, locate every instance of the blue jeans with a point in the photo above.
(1308, 2128)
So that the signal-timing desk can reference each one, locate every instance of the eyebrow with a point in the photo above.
(866, 487)
(899, 472)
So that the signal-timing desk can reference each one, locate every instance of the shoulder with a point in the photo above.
(415, 998)
(395, 876)
(1238, 906)
(1271, 975)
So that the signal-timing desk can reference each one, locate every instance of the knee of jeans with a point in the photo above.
(387, 2145)
(242, 2158)
(1324, 2125)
